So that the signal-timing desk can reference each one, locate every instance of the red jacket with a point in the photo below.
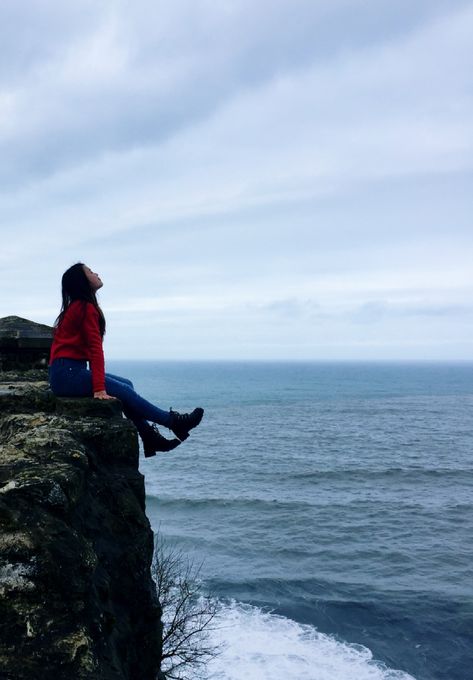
(78, 337)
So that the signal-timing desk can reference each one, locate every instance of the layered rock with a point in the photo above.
(23, 343)
(76, 595)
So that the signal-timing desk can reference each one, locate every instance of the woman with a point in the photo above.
(79, 330)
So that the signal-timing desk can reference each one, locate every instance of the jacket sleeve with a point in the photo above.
(93, 340)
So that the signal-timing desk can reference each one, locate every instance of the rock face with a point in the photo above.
(23, 343)
(76, 595)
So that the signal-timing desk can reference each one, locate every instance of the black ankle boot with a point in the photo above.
(181, 423)
(154, 441)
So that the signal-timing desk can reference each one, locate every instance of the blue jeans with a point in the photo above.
(72, 378)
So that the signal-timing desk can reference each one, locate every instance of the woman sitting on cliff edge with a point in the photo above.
(79, 330)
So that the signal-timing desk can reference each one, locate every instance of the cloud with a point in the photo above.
(262, 169)
(115, 77)
(35, 33)
(300, 134)
(378, 311)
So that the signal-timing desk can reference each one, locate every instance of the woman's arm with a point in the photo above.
(95, 350)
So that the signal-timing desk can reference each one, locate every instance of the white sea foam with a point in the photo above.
(256, 645)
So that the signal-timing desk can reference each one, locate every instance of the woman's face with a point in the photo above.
(93, 278)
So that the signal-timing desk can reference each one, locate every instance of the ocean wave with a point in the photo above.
(219, 502)
(257, 645)
(374, 507)
(411, 474)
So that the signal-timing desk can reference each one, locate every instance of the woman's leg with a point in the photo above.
(120, 379)
(139, 408)
(140, 423)
(151, 437)
(71, 378)
(135, 404)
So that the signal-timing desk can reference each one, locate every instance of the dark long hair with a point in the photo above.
(75, 286)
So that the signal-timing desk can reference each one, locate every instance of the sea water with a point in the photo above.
(331, 505)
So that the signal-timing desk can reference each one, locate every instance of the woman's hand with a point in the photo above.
(102, 395)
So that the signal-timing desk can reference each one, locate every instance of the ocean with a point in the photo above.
(332, 508)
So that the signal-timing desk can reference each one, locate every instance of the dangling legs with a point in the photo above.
(152, 439)
(72, 378)
(178, 423)
(139, 408)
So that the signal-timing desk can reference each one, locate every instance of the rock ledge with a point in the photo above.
(76, 595)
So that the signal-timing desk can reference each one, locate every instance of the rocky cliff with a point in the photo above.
(76, 596)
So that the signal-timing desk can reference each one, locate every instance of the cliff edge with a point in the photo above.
(76, 596)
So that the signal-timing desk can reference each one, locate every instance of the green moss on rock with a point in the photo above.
(76, 595)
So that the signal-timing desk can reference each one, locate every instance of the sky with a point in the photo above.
(252, 180)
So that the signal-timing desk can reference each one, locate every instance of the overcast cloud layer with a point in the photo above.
(286, 179)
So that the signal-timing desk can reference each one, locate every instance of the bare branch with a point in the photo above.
(187, 614)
